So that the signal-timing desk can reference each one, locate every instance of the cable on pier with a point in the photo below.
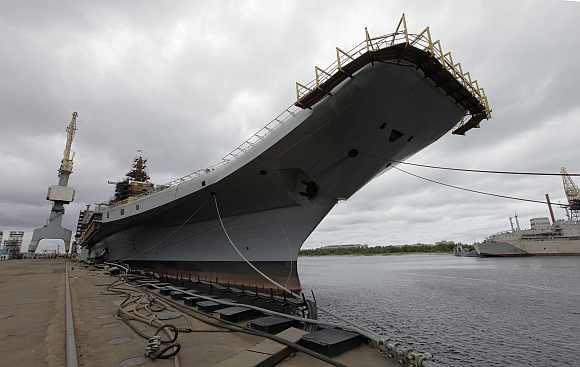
(138, 307)
(139, 300)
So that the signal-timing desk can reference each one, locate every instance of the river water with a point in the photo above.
(464, 311)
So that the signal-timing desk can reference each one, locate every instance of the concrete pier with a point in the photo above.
(32, 326)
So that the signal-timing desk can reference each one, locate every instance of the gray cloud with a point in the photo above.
(186, 82)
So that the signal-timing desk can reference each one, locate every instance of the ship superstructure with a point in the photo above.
(385, 99)
(136, 182)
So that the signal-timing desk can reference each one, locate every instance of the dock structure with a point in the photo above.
(47, 305)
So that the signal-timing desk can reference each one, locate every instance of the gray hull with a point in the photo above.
(526, 247)
(499, 249)
(273, 197)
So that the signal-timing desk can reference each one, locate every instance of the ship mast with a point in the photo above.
(517, 222)
(60, 195)
(136, 181)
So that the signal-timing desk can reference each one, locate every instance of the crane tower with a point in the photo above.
(572, 194)
(60, 195)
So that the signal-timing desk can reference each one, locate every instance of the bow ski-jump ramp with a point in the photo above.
(385, 99)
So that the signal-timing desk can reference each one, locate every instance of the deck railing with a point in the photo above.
(237, 152)
(422, 40)
(244, 147)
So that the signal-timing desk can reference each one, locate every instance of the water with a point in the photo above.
(465, 311)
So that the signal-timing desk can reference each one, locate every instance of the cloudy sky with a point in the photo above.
(187, 81)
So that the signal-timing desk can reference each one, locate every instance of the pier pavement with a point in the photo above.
(32, 325)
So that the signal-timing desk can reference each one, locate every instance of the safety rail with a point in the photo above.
(241, 149)
(236, 153)
(422, 40)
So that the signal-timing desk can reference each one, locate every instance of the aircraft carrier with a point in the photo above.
(385, 99)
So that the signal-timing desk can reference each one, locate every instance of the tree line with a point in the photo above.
(439, 247)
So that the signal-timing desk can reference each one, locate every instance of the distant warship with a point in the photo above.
(558, 237)
(384, 100)
(543, 238)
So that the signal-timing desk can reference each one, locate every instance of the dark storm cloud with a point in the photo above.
(186, 82)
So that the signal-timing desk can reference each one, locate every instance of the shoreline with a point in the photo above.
(384, 254)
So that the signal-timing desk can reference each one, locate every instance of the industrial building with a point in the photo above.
(13, 244)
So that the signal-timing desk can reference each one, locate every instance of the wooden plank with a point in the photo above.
(265, 354)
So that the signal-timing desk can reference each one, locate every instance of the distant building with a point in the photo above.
(17, 236)
(13, 244)
(344, 247)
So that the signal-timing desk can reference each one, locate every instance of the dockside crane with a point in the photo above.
(60, 195)
(572, 194)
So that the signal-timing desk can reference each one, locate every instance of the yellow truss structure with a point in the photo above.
(422, 40)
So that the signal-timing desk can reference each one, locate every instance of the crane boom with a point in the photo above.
(572, 194)
(67, 160)
(570, 188)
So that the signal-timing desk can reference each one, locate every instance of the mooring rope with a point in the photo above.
(478, 191)
(369, 334)
(393, 349)
(524, 173)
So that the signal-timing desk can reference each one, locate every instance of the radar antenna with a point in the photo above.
(572, 194)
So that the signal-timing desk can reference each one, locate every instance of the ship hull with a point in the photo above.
(225, 272)
(522, 247)
(274, 197)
